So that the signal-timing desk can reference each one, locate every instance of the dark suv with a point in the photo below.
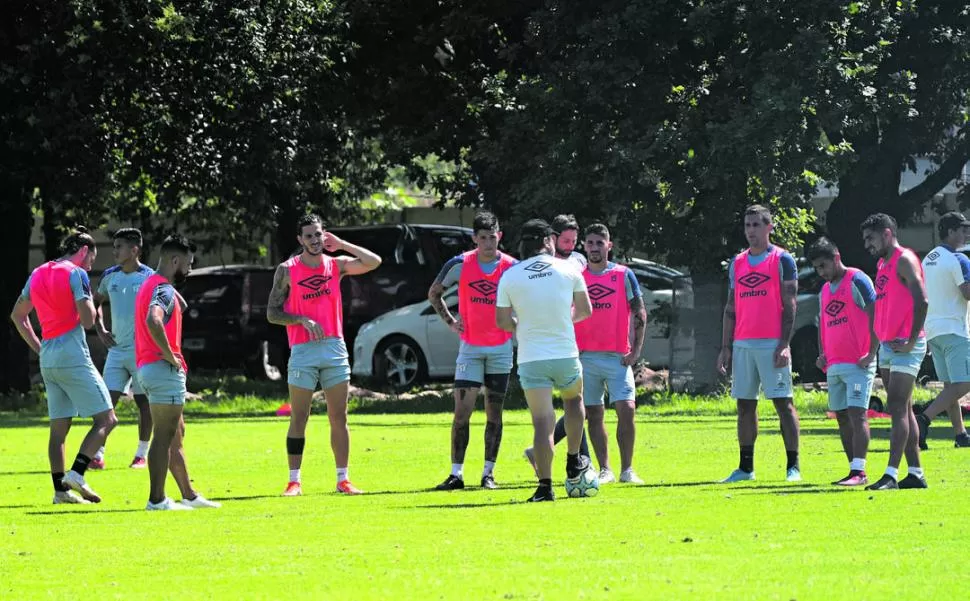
(225, 323)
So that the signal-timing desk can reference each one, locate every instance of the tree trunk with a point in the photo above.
(52, 242)
(16, 216)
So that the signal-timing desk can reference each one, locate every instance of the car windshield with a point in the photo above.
(212, 291)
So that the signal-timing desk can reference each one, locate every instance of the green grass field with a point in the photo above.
(678, 537)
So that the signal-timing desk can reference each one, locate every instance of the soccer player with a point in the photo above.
(548, 296)
(847, 351)
(161, 374)
(605, 351)
(485, 355)
(60, 292)
(306, 299)
(118, 287)
(947, 274)
(758, 322)
(900, 312)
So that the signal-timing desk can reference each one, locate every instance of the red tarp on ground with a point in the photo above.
(284, 410)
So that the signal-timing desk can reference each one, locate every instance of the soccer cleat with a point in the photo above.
(738, 476)
(530, 456)
(575, 467)
(452, 482)
(543, 493)
(200, 502)
(887, 482)
(629, 476)
(76, 481)
(167, 504)
(607, 476)
(96, 464)
(138, 463)
(793, 474)
(345, 487)
(488, 481)
(293, 489)
(68, 497)
(855, 478)
(924, 427)
(962, 441)
(913, 481)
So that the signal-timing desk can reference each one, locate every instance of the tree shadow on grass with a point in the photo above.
(89, 511)
(16, 506)
(27, 473)
(804, 491)
(468, 505)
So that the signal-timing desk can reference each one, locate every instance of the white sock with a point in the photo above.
(916, 471)
(142, 451)
(99, 454)
(489, 468)
(295, 475)
(892, 472)
(858, 464)
(456, 469)
(342, 474)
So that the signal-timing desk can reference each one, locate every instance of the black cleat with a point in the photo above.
(451, 483)
(913, 481)
(543, 493)
(576, 467)
(885, 483)
(962, 440)
(924, 427)
(488, 482)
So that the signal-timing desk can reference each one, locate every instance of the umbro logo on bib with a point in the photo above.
(483, 287)
(316, 283)
(753, 280)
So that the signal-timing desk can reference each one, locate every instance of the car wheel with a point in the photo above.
(804, 352)
(267, 364)
(399, 363)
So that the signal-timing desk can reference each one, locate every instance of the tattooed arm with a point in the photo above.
(444, 280)
(789, 301)
(639, 313)
(277, 299)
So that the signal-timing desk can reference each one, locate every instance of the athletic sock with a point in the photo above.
(916, 471)
(747, 458)
(545, 482)
(58, 486)
(295, 475)
(142, 450)
(81, 464)
(792, 459)
(100, 454)
(893, 472)
(456, 470)
(489, 468)
(342, 474)
(560, 432)
(858, 464)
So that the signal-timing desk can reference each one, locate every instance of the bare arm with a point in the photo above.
(504, 319)
(873, 339)
(277, 299)
(639, 314)
(361, 261)
(156, 327)
(582, 308)
(727, 322)
(106, 337)
(909, 274)
(87, 312)
(965, 290)
(789, 302)
(20, 316)
(435, 294)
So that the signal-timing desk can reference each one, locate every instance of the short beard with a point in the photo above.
(311, 253)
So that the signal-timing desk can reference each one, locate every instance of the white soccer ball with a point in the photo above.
(587, 484)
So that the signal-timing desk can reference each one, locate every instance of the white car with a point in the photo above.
(410, 345)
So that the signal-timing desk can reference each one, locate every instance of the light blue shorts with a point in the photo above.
(319, 362)
(905, 363)
(754, 369)
(74, 391)
(550, 373)
(163, 383)
(604, 372)
(951, 358)
(849, 386)
(120, 372)
(474, 362)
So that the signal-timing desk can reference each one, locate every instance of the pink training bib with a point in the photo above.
(146, 349)
(757, 296)
(50, 293)
(608, 329)
(894, 303)
(314, 293)
(844, 325)
(476, 300)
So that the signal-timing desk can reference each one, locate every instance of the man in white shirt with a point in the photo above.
(548, 296)
(947, 276)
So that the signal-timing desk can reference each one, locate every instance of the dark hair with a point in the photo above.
(954, 220)
(308, 219)
(761, 211)
(129, 234)
(597, 229)
(533, 235)
(561, 223)
(823, 248)
(879, 222)
(485, 220)
(177, 243)
(76, 240)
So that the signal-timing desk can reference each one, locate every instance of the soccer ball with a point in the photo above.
(587, 484)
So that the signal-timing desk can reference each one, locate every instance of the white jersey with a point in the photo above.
(944, 271)
(540, 291)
